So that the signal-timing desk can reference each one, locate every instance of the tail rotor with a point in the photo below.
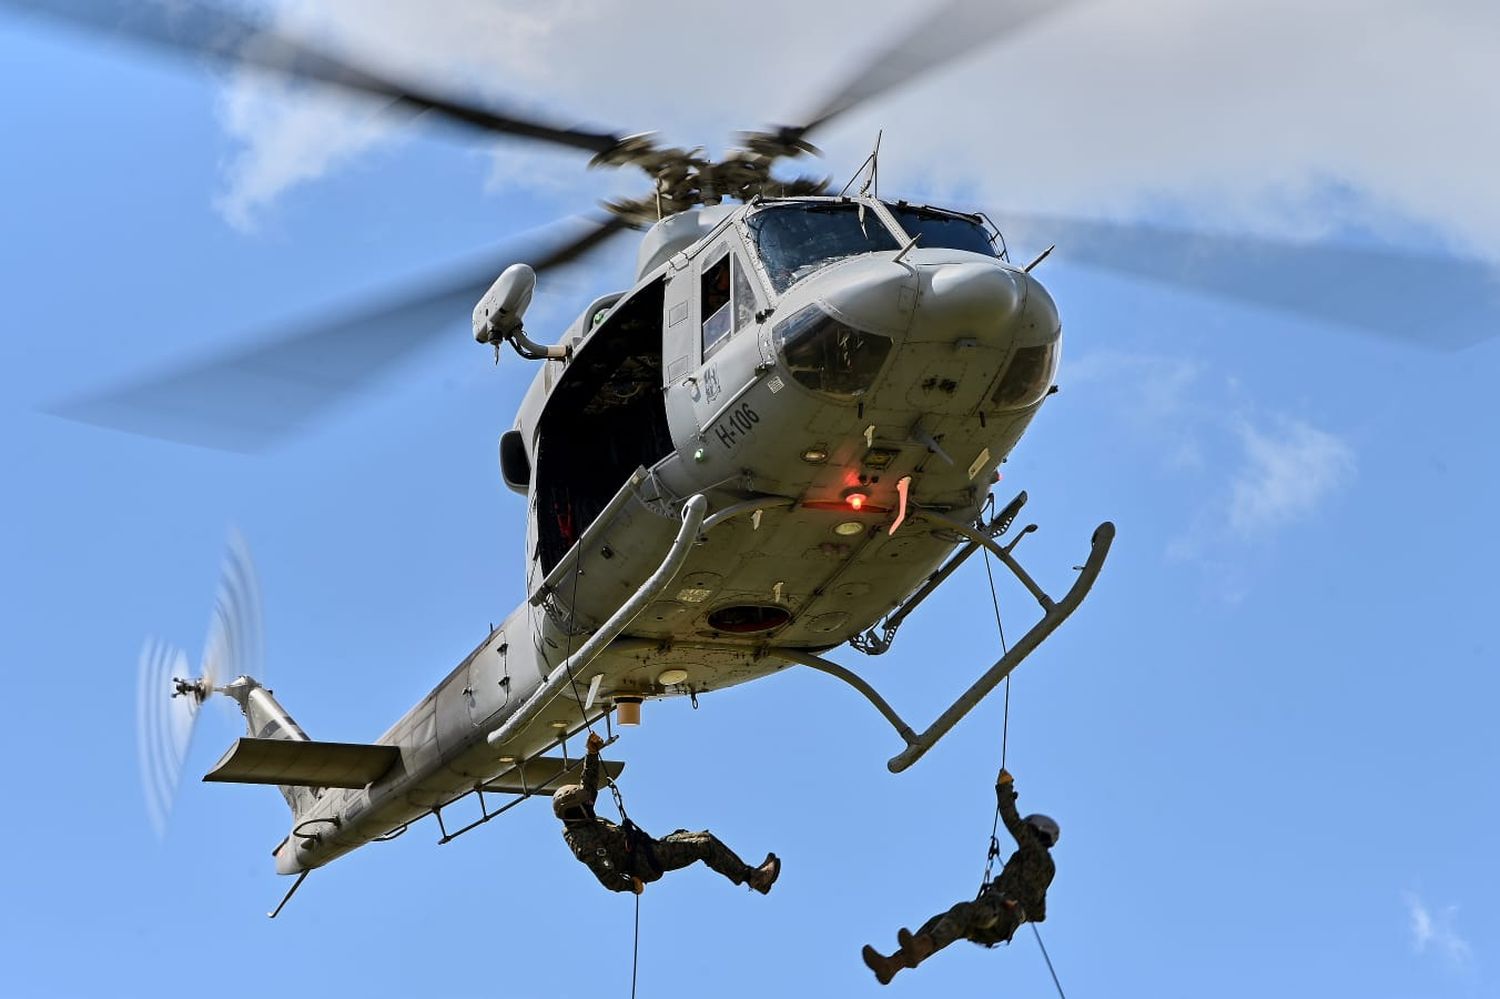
(164, 725)
(169, 701)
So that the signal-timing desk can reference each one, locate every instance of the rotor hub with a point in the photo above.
(685, 179)
(198, 689)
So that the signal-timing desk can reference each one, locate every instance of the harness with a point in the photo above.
(638, 843)
(1010, 905)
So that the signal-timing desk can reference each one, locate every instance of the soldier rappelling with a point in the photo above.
(1017, 896)
(624, 858)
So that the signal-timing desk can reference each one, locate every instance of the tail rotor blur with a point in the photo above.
(169, 701)
(164, 725)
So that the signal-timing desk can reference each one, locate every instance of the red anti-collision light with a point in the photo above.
(856, 501)
(844, 506)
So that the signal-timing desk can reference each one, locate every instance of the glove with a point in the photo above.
(595, 743)
(1005, 786)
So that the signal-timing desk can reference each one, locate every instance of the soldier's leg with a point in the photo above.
(935, 934)
(682, 848)
(952, 925)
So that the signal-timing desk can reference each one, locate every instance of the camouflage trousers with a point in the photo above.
(682, 848)
(986, 920)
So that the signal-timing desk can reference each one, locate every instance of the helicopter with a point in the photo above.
(816, 461)
(780, 439)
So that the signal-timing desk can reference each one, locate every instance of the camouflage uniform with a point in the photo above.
(988, 919)
(615, 855)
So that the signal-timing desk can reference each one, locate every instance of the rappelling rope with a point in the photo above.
(1004, 650)
(994, 850)
(614, 789)
(635, 950)
(1045, 957)
(568, 642)
(635, 946)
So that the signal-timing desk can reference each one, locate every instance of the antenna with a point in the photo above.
(870, 165)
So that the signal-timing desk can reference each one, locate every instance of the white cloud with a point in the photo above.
(1237, 112)
(299, 134)
(288, 134)
(1435, 932)
(1288, 468)
(1249, 473)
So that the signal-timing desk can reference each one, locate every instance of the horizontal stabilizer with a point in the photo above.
(303, 763)
(544, 774)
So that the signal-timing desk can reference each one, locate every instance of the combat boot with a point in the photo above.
(885, 968)
(763, 877)
(916, 949)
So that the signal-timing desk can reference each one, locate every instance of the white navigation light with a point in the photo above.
(672, 677)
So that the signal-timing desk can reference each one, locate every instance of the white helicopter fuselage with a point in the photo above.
(819, 411)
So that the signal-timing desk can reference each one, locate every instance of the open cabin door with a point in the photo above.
(599, 537)
(619, 552)
(604, 419)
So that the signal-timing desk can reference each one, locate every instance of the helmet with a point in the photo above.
(1043, 824)
(571, 803)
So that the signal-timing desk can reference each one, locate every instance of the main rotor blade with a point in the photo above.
(1445, 303)
(250, 399)
(193, 27)
(944, 35)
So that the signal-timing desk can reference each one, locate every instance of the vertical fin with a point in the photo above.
(266, 719)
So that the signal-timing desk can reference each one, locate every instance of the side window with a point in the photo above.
(716, 313)
(744, 297)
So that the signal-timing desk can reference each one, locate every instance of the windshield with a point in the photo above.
(798, 238)
(1027, 377)
(939, 229)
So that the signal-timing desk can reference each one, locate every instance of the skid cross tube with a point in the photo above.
(1055, 612)
(874, 645)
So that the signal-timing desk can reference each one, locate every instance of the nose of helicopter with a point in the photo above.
(979, 298)
(933, 295)
(933, 332)
(956, 324)
(874, 294)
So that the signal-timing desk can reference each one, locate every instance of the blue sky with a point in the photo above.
(1268, 735)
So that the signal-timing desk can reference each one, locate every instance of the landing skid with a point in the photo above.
(289, 893)
(1054, 613)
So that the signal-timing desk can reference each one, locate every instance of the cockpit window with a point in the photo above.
(714, 306)
(798, 238)
(1028, 377)
(939, 229)
(725, 312)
